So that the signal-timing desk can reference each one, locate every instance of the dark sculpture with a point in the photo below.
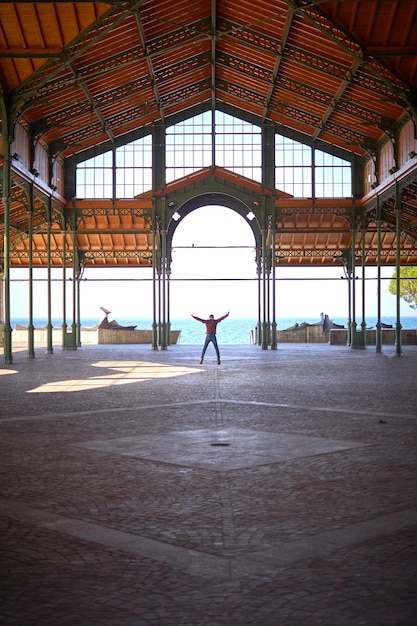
(113, 325)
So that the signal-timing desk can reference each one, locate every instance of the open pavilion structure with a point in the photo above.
(119, 118)
(140, 487)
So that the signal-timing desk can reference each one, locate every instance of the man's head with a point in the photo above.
(211, 316)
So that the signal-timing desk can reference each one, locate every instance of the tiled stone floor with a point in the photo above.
(277, 489)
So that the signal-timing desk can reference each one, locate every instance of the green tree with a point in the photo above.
(408, 285)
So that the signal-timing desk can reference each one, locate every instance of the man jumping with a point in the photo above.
(211, 325)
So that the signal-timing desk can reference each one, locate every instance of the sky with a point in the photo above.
(210, 243)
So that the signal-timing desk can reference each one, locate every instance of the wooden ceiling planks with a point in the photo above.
(89, 73)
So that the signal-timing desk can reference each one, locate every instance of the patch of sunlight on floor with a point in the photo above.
(122, 373)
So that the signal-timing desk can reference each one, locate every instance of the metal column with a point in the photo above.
(64, 288)
(31, 328)
(163, 340)
(274, 319)
(154, 307)
(78, 320)
(378, 346)
(168, 305)
(349, 284)
(265, 314)
(398, 325)
(49, 334)
(363, 264)
(259, 273)
(73, 338)
(6, 136)
(353, 292)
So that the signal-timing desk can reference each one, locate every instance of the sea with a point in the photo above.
(231, 331)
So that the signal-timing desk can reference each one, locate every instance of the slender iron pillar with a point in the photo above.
(7, 329)
(378, 323)
(363, 259)
(259, 325)
(74, 295)
(398, 326)
(164, 344)
(49, 338)
(159, 224)
(353, 293)
(154, 324)
(349, 284)
(274, 319)
(64, 288)
(31, 328)
(78, 322)
(159, 304)
(168, 306)
(265, 330)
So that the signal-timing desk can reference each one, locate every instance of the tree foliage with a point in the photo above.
(408, 285)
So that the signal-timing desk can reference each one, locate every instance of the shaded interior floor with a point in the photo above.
(139, 487)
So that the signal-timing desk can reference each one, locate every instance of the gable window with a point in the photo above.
(220, 139)
(238, 146)
(124, 172)
(333, 176)
(307, 172)
(293, 167)
(94, 177)
(188, 146)
(134, 168)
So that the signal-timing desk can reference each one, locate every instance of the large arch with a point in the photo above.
(220, 198)
(246, 203)
(213, 266)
